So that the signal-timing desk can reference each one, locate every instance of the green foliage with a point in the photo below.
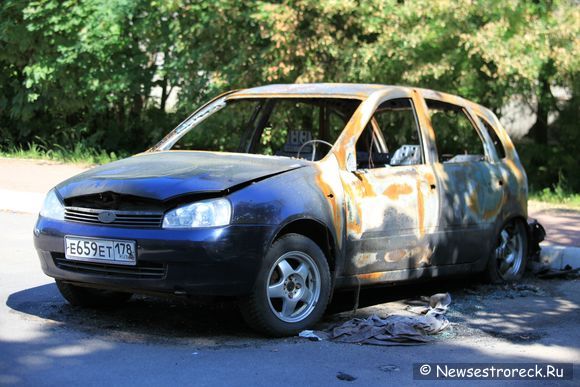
(84, 72)
(556, 163)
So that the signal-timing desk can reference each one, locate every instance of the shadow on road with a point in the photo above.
(150, 319)
(142, 319)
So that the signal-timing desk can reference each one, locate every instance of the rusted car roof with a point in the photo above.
(345, 90)
(354, 90)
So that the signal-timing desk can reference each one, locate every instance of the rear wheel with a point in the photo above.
(88, 297)
(292, 289)
(508, 260)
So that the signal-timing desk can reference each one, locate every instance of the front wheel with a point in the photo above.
(508, 260)
(88, 297)
(292, 289)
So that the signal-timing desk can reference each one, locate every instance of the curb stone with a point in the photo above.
(560, 256)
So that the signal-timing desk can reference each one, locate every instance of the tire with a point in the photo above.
(509, 258)
(292, 289)
(89, 297)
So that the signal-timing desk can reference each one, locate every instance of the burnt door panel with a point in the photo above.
(470, 200)
(468, 185)
(391, 215)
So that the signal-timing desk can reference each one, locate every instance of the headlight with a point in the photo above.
(52, 207)
(205, 213)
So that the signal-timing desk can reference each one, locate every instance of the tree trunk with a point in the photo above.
(546, 103)
(539, 130)
(164, 95)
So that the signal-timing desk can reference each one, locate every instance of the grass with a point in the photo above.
(80, 154)
(558, 194)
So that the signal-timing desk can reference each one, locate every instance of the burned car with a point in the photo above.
(279, 195)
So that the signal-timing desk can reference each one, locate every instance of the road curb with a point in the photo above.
(560, 256)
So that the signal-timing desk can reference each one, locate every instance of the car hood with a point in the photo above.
(164, 175)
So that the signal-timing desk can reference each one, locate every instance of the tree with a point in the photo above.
(83, 71)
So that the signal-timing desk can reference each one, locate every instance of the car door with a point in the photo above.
(469, 183)
(391, 197)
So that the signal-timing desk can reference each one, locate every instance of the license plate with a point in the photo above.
(100, 250)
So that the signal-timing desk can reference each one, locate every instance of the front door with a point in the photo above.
(391, 198)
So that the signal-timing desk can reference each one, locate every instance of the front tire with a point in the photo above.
(509, 258)
(292, 289)
(88, 297)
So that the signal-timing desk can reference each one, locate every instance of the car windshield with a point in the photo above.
(291, 127)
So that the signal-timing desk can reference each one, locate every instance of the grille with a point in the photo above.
(138, 219)
(141, 271)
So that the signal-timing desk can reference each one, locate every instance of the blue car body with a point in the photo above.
(266, 194)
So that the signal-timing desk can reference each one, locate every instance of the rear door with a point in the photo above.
(469, 184)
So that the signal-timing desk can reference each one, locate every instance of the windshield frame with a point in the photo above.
(219, 102)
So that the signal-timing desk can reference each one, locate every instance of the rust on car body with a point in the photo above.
(423, 204)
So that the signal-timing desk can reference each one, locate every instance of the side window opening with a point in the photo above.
(497, 144)
(368, 154)
(396, 122)
(456, 136)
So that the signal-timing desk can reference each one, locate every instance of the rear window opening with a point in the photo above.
(497, 144)
(456, 137)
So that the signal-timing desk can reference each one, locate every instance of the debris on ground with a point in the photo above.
(389, 368)
(345, 377)
(537, 234)
(546, 272)
(510, 290)
(393, 329)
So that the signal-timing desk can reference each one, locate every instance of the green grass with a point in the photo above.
(556, 195)
(80, 154)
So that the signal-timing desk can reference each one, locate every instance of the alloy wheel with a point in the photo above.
(510, 251)
(294, 286)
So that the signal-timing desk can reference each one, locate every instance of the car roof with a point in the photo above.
(354, 90)
(344, 90)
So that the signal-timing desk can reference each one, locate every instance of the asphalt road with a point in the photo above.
(44, 341)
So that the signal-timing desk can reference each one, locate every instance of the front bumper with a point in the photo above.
(210, 261)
